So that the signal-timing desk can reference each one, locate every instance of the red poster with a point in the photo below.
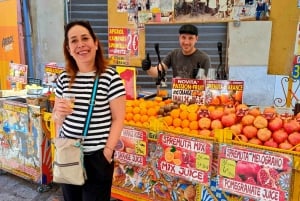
(258, 174)
(132, 146)
(188, 90)
(186, 157)
(122, 41)
(223, 92)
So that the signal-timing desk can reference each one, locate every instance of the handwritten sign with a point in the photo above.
(186, 157)
(259, 174)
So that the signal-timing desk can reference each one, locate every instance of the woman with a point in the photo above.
(84, 60)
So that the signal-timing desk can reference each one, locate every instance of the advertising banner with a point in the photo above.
(188, 158)
(254, 173)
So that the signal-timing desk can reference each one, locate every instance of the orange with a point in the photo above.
(193, 108)
(185, 123)
(177, 161)
(194, 132)
(186, 130)
(136, 117)
(168, 120)
(178, 129)
(194, 125)
(128, 109)
(176, 122)
(144, 118)
(193, 116)
(183, 115)
(183, 107)
(143, 111)
(129, 116)
(151, 112)
(177, 154)
(175, 113)
(169, 156)
(136, 110)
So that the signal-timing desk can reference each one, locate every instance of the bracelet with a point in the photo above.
(109, 148)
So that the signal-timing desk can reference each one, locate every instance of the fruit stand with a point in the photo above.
(219, 150)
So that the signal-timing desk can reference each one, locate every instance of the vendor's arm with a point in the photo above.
(117, 107)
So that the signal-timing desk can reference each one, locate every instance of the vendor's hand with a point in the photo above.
(146, 63)
(108, 154)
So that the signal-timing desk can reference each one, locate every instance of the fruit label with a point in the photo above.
(254, 173)
(132, 146)
(188, 90)
(186, 157)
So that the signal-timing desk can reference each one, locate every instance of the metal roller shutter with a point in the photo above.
(166, 35)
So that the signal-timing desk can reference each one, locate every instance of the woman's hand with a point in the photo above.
(108, 154)
(61, 109)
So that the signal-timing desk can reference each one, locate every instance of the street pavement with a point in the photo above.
(14, 188)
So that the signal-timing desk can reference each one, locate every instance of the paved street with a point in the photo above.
(13, 188)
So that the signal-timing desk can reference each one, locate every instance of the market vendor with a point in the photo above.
(186, 61)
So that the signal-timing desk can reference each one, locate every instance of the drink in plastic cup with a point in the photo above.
(70, 99)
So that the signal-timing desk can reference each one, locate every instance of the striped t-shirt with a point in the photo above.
(110, 87)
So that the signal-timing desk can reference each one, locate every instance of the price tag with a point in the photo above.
(227, 168)
(140, 148)
(296, 71)
(202, 162)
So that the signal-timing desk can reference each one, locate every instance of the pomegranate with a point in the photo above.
(236, 129)
(216, 114)
(280, 136)
(260, 122)
(247, 120)
(291, 126)
(267, 177)
(249, 131)
(246, 169)
(251, 180)
(294, 138)
(228, 119)
(285, 145)
(255, 111)
(255, 141)
(241, 137)
(216, 124)
(275, 124)
(264, 134)
(204, 123)
(271, 143)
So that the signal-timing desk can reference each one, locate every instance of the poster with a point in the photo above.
(51, 72)
(128, 75)
(132, 146)
(188, 90)
(224, 92)
(18, 73)
(123, 44)
(188, 158)
(258, 174)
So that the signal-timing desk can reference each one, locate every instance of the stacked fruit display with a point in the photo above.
(248, 124)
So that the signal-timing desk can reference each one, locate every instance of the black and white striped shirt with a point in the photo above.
(110, 87)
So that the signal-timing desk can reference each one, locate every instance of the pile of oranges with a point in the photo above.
(183, 118)
(141, 112)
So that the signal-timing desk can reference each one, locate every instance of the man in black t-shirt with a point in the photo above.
(186, 61)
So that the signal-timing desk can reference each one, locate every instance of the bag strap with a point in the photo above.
(91, 106)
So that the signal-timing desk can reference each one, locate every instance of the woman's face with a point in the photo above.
(187, 43)
(81, 46)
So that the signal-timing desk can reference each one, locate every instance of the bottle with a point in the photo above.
(297, 108)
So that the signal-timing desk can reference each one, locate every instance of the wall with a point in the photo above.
(47, 22)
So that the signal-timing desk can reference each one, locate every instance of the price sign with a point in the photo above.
(202, 161)
(227, 168)
(296, 71)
